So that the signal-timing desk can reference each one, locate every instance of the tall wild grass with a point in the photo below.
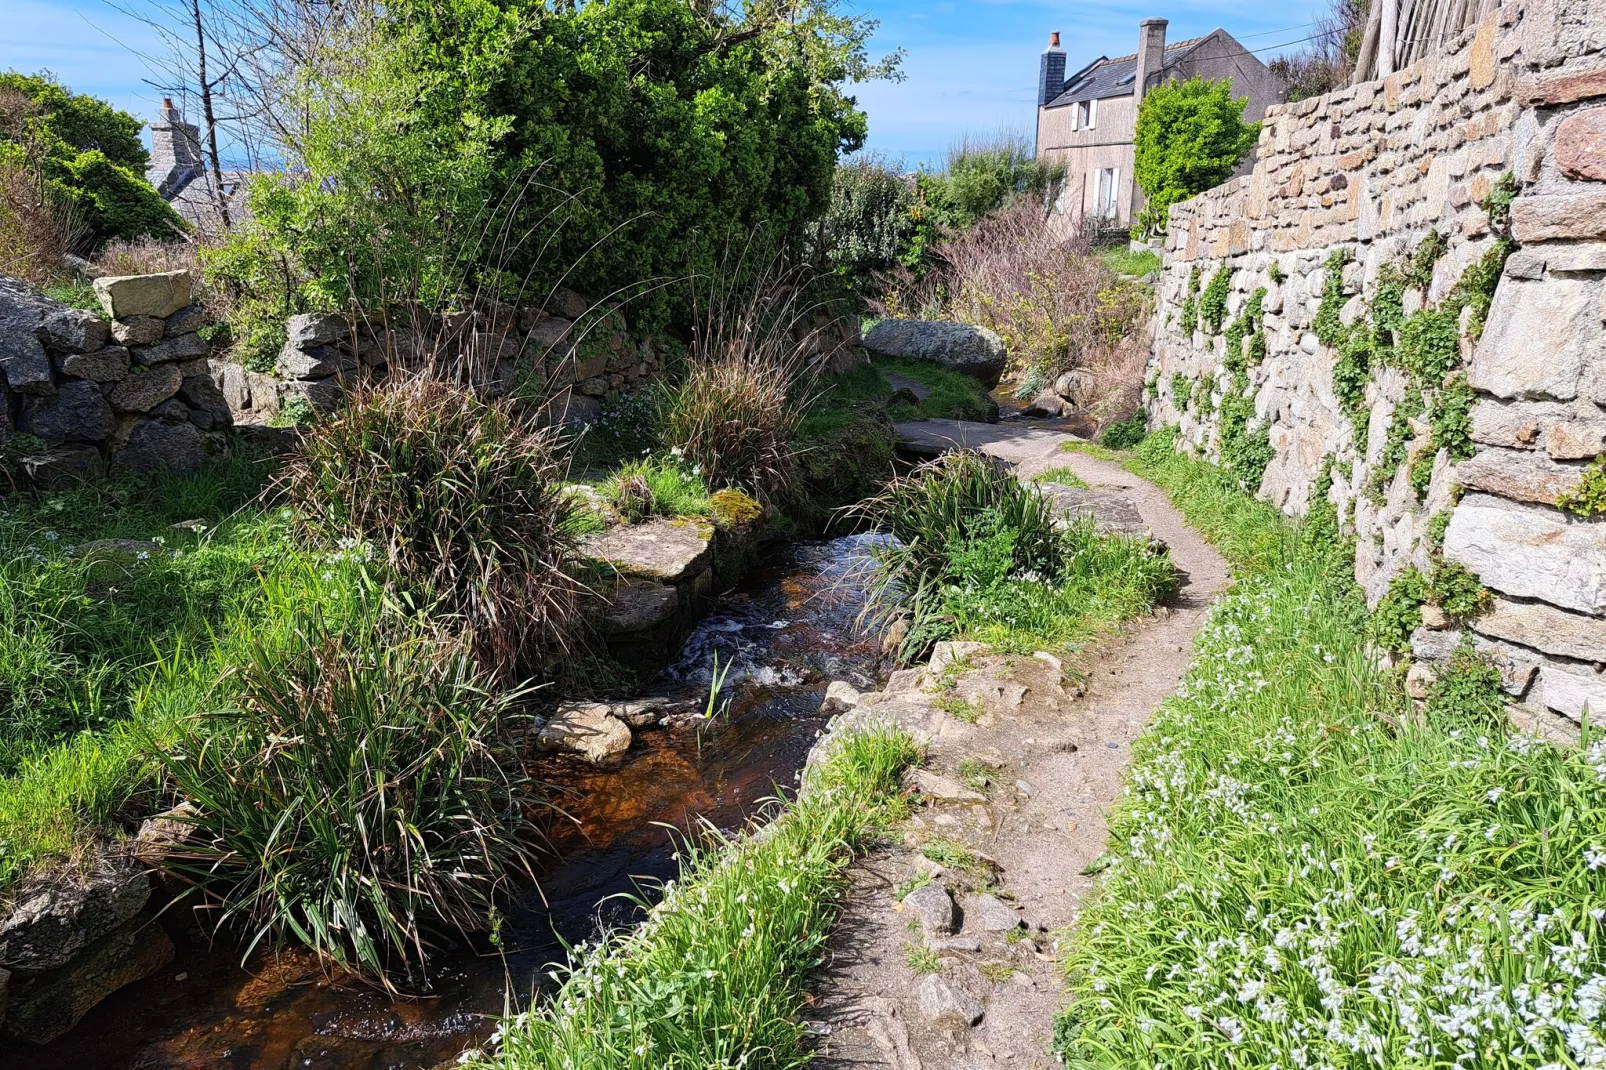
(462, 497)
(354, 793)
(717, 974)
(748, 383)
(974, 552)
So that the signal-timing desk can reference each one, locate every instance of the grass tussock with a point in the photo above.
(974, 552)
(353, 793)
(734, 417)
(462, 498)
(1307, 874)
(716, 976)
(656, 486)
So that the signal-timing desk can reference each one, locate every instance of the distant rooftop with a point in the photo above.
(1106, 77)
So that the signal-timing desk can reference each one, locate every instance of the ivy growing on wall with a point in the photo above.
(1181, 390)
(1449, 586)
(1213, 305)
(1190, 303)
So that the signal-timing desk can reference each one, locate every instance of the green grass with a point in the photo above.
(1063, 476)
(977, 555)
(954, 395)
(921, 959)
(1123, 260)
(98, 651)
(717, 975)
(1303, 874)
(656, 486)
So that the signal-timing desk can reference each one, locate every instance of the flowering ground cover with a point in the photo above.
(1306, 872)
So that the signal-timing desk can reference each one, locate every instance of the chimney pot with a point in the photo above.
(1054, 39)
(167, 102)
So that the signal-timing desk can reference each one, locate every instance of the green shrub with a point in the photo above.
(974, 552)
(90, 156)
(463, 500)
(1190, 137)
(1190, 303)
(113, 201)
(984, 174)
(1213, 303)
(1400, 612)
(1125, 434)
(352, 796)
(453, 149)
(873, 225)
(1467, 694)
(1181, 390)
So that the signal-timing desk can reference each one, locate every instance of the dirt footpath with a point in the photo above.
(945, 955)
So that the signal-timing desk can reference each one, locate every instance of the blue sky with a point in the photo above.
(971, 65)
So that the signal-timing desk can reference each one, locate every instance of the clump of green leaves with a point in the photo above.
(1213, 304)
(1329, 328)
(1589, 497)
(1190, 136)
(1125, 434)
(1190, 302)
(1467, 693)
(1181, 390)
(353, 796)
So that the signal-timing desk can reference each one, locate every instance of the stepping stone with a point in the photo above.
(991, 914)
(840, 696)
(1113, 514)
(936, 786)
(945, 1006)
(932, 904)
(669, 551)
(587, 730)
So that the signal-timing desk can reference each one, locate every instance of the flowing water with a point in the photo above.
(780, 637)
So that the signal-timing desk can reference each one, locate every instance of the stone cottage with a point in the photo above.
(178, 171)
(1087, 121)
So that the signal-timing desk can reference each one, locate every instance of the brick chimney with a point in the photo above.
(175, 151)
(1051, 71)
(1151, 56)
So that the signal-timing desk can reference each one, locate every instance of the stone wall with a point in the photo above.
(134, 393)
(1366, 207)
(577, 353)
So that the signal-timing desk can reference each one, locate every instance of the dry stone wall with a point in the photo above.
(569, 350)
(130, 393)
(1325, 329)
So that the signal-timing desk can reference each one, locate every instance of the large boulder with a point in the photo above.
(42, 1008)
(960, 347)
(159, 295)
(155, 446)
(68, 465)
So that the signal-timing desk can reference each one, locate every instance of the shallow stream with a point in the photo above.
(783, 634)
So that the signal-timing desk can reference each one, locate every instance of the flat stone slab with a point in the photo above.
(1113, 514)
(1011, 443)
(639, 607)
(669, 551)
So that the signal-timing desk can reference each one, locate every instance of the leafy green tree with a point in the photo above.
(1190, 136)
(88, 154)
(508, 146)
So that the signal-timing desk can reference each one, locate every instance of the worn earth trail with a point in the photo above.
(962, 971)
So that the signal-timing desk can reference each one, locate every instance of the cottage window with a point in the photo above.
(1104, 203)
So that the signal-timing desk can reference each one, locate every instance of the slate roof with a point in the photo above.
(1106, 77)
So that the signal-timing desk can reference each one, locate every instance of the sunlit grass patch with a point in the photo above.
(717, 974)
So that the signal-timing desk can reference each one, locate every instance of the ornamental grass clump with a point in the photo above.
(974, 552)
(352, 793)
(463, 500)
(749, 381)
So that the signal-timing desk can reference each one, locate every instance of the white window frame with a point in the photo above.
(1092, 114)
